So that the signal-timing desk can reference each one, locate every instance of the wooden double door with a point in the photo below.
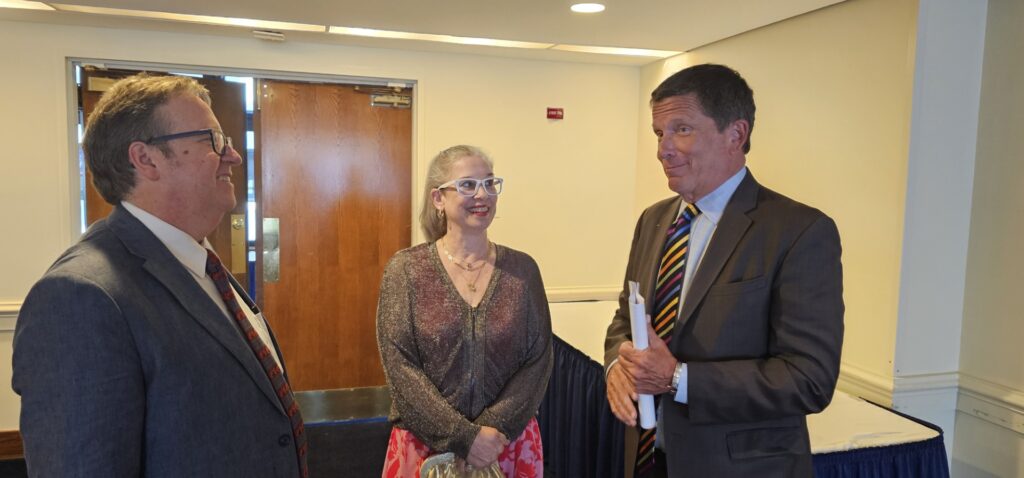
(334, 173)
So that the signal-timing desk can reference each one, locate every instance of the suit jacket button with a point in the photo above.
(284, 440)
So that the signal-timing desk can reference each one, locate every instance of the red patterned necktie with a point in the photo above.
(667, 294)
(263, 353)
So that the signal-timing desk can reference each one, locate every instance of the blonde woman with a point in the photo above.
(464, 332)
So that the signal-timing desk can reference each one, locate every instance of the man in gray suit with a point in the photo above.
(745, 289)
(136, 354)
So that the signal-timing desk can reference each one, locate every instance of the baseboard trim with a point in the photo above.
(581, 294)
(992, 402)
(865, 384)
(8, 315)
(10, 445)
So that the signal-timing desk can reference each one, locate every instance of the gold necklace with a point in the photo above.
(467, 266)
(472, 285)
(479, 269)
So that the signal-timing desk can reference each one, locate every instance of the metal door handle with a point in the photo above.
(238, 244)
(271, 249)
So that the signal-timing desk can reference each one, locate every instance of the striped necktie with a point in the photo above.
(667, 294)
(263, 354)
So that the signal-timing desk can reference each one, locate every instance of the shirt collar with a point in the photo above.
(189, 252)
(713, 205)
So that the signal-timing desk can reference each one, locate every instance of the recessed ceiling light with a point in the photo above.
(587, 8)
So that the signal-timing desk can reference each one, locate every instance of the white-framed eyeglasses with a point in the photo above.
(469, 186)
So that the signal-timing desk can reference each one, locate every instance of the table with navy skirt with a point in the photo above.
(852, 438)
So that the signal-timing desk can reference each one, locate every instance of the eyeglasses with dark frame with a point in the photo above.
(218, 141)
(469, 186)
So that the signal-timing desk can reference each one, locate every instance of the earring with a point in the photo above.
(440, 214)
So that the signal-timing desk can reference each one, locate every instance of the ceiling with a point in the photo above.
(673, 25)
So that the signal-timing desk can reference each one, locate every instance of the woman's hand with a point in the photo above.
(487, 445)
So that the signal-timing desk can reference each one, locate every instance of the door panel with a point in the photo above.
(336, 172)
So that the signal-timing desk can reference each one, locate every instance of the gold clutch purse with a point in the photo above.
(446, 465)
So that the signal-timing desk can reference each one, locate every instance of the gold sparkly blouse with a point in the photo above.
(453, 368)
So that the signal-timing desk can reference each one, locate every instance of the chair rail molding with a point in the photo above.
(926, 391)
(8, 315)
(866, 384)
(581, 294)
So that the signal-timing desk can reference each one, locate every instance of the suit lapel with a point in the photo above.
(166, 269)
(648, 275)
(730, 230)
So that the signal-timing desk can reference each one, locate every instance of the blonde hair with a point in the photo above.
(127, 113)
(434, 225)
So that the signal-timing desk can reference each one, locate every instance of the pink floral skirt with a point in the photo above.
(523, 458)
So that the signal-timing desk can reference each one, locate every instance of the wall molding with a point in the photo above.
(884, 389)
(581, 294)
(992, 402)
(8, 315)
(10, 445)
(926, 382)
(9, 309)
(865, 384)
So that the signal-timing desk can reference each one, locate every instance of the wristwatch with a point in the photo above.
(676, 375)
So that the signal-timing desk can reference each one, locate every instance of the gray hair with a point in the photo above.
(127, 113)
(434, 225)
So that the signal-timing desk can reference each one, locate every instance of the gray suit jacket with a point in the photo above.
(126, 367)
(761, 330)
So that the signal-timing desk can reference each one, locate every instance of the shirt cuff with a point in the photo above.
(609, 368)
(681, 392)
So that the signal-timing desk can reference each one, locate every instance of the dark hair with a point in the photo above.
(127, 113)
(723, 94)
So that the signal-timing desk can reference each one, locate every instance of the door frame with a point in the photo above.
(76, 215)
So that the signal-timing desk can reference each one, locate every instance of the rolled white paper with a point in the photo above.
(638, 325)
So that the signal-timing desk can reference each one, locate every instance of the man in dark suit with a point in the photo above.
(136, 354)
(744, 287)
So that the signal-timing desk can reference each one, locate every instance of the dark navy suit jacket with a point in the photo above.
(126, 367)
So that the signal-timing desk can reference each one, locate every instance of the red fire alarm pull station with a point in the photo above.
(555, 113)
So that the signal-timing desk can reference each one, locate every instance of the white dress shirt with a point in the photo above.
(192, 255)
(701, 230)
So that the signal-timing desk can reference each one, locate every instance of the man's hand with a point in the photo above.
(650, 369)
(487, 445)
(622, 392)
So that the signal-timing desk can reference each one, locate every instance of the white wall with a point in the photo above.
(583, 325)
(991, 357)
(10, 407)
(833, 90)
(984, 450)
(568, 182)
(947, 85)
